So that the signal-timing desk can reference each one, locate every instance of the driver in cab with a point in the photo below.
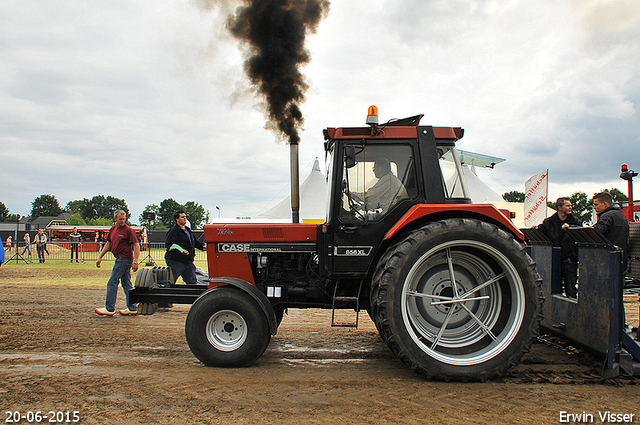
(387, 190)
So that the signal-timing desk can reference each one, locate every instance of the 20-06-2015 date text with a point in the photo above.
(37, 416)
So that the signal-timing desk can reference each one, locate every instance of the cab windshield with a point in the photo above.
(376, 178)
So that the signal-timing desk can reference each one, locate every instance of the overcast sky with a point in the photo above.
(147, 100)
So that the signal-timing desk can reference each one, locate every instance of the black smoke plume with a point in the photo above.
(274, 32)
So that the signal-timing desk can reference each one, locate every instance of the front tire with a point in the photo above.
(226, 327)
(457, 299)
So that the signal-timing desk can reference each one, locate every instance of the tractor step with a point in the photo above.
(345, 298)
(335, 324)
(342, 298)
(345, 325)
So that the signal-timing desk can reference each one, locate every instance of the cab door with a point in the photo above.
(378, 185)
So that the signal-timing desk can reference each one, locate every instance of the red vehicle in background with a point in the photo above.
(93, 237)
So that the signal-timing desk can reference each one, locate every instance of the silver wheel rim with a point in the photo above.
(226, 330)
(463, 324)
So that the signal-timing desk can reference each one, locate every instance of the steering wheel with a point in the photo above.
(356, 204)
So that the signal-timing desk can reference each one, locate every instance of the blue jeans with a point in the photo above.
(121, 273)
(186, 270)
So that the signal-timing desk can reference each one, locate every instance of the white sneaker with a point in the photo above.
(127, 312)
(104, 312)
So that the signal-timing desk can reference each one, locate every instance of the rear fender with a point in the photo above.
(261, 299)
(488, 211)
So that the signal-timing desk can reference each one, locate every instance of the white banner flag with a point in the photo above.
(535, 199)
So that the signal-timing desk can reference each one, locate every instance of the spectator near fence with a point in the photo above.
(75, 238)
(27, 245)
(41, 244)
(8, 244)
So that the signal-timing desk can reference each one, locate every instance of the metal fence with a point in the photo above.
(87, 252)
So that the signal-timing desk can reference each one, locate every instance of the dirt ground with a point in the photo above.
(56, 354)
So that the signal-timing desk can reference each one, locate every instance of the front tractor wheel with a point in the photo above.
(226, 327)
(457, 299)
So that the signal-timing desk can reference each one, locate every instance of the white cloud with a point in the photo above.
(148, 101)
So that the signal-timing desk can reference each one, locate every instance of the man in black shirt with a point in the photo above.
(554, 227)
(612, 224)
(181, 244)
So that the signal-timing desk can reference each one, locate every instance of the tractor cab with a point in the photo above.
(376, 175)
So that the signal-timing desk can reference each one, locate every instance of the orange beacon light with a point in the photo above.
(372, 115)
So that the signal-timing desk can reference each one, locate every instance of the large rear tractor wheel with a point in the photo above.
(226, 327)
(457, 299)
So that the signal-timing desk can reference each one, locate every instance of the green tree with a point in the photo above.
(75, 220)
(100, 222)
(75, 206)
(99, 206)
(82, 207)
(581, 206)
(160, 226)
(104, 207)
(618, 196)
(45, 206)
(587, 204)
(4, 212)
(513, 196)
(12, 218)
(195, 214)
(165, 213)
(5, 216)
(112, 204)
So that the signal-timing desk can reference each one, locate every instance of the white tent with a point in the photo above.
(313, 194)
(478, 190)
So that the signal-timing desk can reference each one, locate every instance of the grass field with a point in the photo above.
(62, 253)
(56, 272)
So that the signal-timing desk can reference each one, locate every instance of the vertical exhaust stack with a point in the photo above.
(274, 32)
(295, 184)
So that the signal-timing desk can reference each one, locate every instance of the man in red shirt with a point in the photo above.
(123, 243)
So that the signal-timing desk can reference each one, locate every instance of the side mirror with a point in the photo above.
(349, 156)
